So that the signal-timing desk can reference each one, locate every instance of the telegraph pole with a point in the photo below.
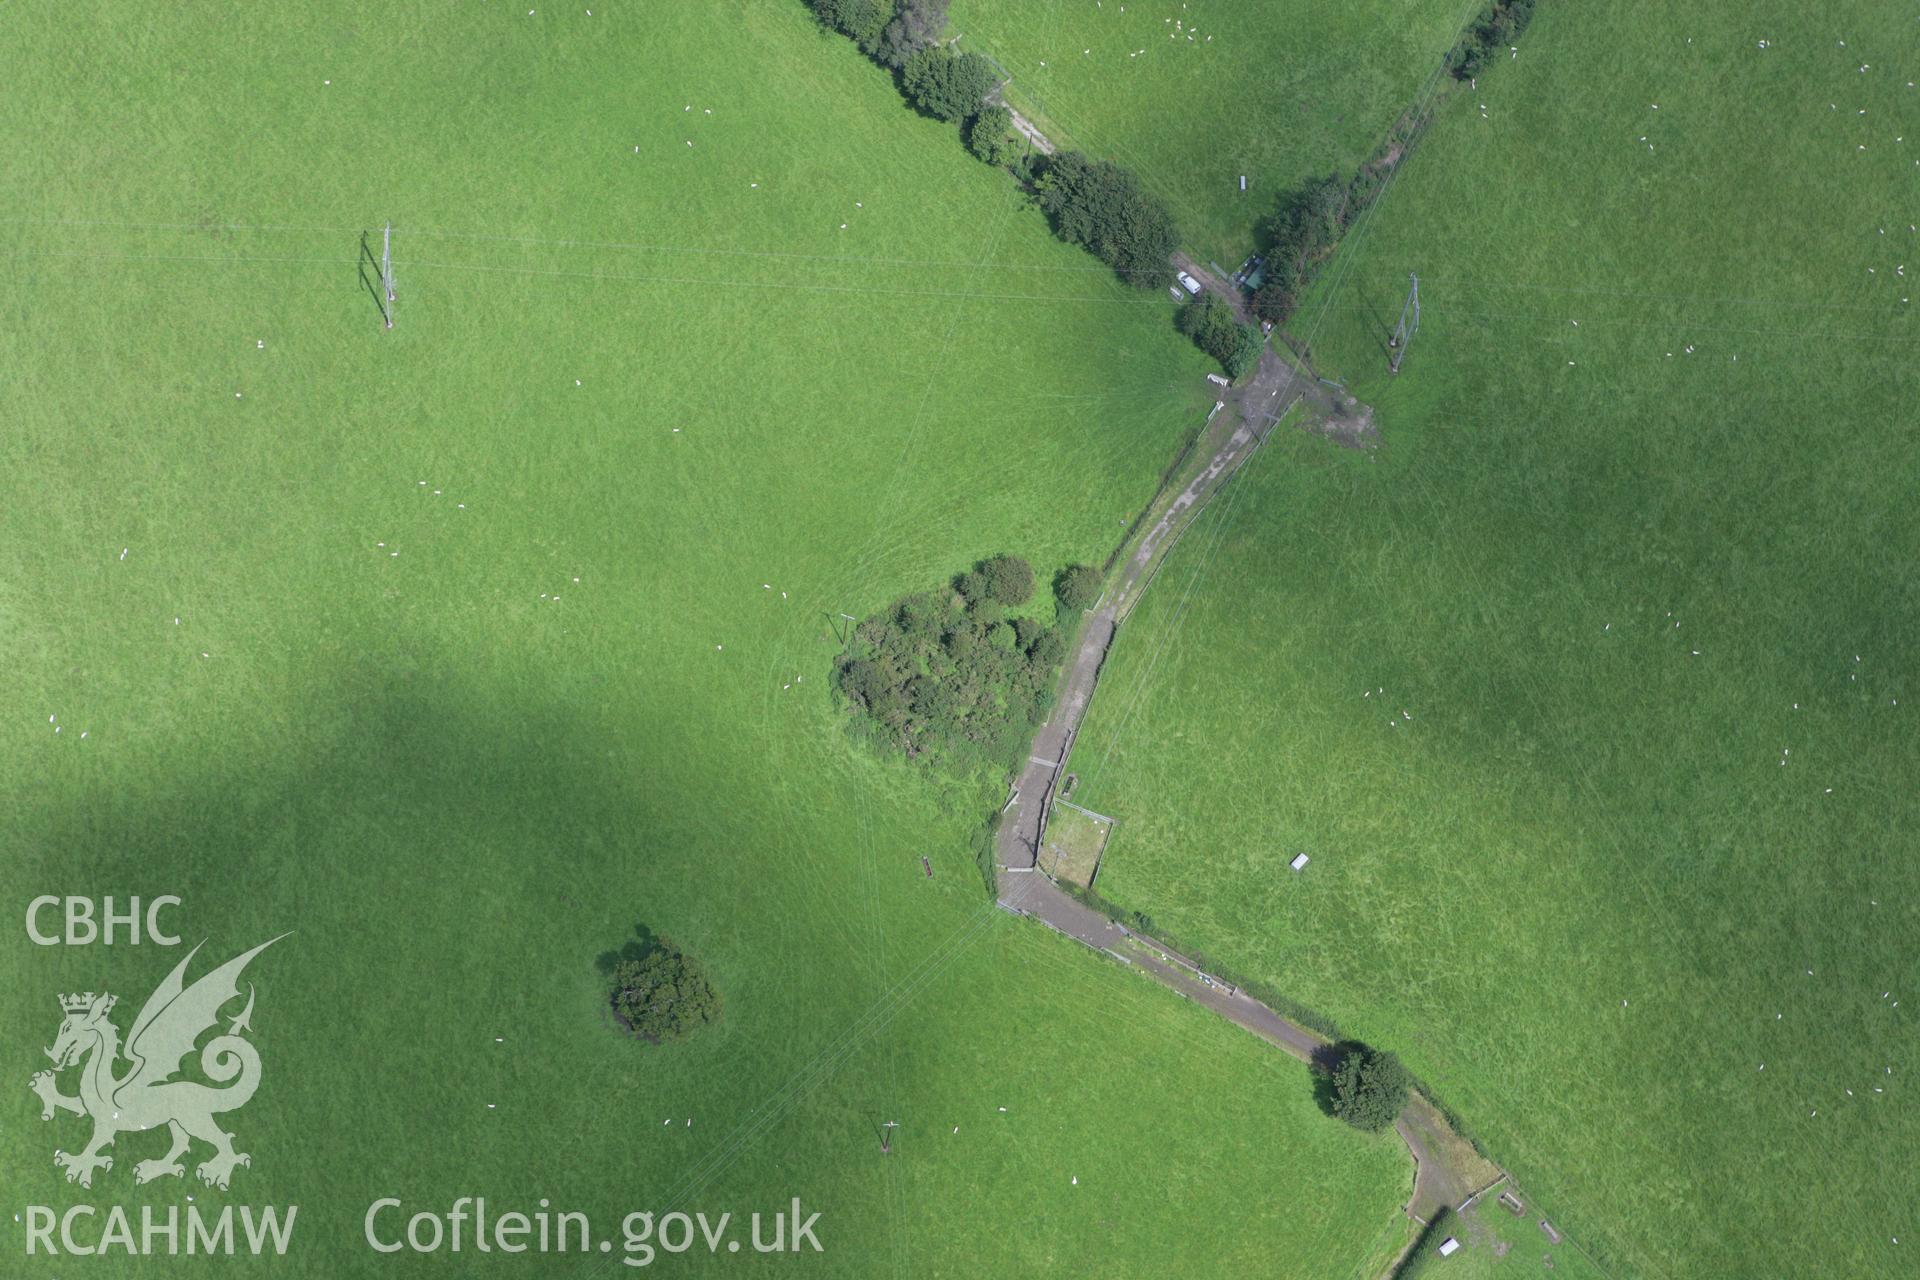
(1408, 326)
(886, 1136)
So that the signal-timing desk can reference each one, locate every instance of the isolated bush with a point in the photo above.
(664, 994)
(1077, 586)
(1369, 1088)
(946, 85)
(1102, 207)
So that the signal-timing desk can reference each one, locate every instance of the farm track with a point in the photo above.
(1443, 1176)
(1018, 840)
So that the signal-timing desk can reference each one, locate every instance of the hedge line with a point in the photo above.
(1498, 27)
(1096, 204)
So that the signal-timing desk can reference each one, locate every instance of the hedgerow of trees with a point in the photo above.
(1300, 235)
(663, 995)
(1210, 322)
(1498, 26)
(948, 675)
(1103, 208)
(1095, 204)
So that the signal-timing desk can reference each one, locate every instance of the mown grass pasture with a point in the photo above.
(461, 648)
(1591, 691)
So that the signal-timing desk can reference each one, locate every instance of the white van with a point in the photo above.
(1188, 283)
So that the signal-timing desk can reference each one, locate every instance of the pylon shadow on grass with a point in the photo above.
(373, 289)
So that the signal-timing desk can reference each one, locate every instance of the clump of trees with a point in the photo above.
(948, 675)
(1103, 208)
(663, 994)
(1368, 1088)
(1498, 26)
(1211, 324)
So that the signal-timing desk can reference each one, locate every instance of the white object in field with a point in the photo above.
(1449, 1247)
(1188, 283)
(1243, 177)
(1299, 862)
(1214, 377)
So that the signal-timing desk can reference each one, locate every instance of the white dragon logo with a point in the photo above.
(173, 1019)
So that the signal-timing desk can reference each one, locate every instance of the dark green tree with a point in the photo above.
(1102, 207)
(1047, 649)
(1076, 587)
(664, 994)
(1009, 579)
(1273, 302)
(861, 20)
(946, 85)
(971, 585)
(987, 134)
(917, 25)
(1498, 26)
(1210, 322)
(1304, 230)
(1248, 343)
(1369, 1088)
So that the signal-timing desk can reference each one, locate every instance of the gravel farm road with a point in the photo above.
(1446, 1170)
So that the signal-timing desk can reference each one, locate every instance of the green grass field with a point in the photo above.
(460, 648)
(1591, 692)
(1280, 92)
